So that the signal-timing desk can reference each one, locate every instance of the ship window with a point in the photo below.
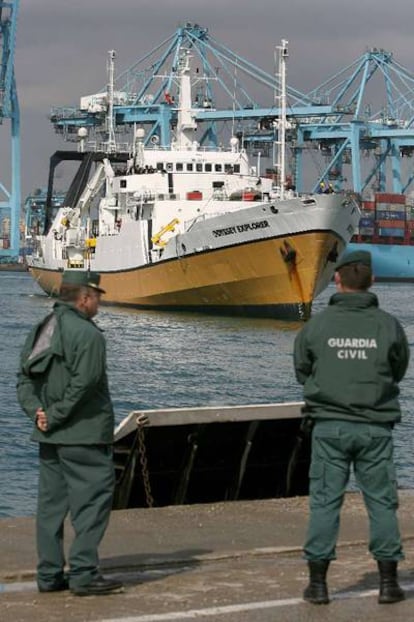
(123, 183)
(189, 166)
(179, 166)
(208, 167)
(218, 168)
(228, 168)
(199, 167)
(160, 166)
(236, 168)
(169, 166)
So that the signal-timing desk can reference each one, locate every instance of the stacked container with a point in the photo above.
(367, 220)
(390, 214)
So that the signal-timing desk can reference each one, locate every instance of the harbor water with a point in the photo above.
(171, 360)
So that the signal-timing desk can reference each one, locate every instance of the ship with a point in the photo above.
(386, 230)
(189, 228)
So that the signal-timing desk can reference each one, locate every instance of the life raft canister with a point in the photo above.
(195, 195)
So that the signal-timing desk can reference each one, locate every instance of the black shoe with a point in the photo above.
(98, 587)
(56, 586)
(390, 590)
(317, 590)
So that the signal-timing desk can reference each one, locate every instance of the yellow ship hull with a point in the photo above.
(255, 278)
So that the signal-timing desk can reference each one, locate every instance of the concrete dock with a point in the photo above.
(227, 562)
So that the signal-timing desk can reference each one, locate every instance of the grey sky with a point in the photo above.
(62, 45)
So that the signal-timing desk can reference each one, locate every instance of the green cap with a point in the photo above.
(363, 257)
(82, 278)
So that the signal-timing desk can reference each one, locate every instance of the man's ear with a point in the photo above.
(82, 298)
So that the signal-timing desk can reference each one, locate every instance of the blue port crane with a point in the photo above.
(370, 140)
(9, 110)
(226, 91)
(356, 129)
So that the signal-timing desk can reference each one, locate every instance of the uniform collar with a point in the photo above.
(360, 300)
(62, 306)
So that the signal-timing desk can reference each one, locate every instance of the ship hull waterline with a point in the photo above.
(251, 279)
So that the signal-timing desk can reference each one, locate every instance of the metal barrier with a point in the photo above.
(209, 454)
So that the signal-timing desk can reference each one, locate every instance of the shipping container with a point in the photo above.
(366, 213)
(387, 215)
(366, 231)
(390, 207)
(389, 197)
(391, 233)
(409, 214)
(368, 205)
(366, 222)
(391, 224)
(397, 207)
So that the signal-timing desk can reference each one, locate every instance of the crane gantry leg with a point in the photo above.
(9, 109)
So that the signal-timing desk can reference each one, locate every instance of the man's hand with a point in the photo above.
(41, 420)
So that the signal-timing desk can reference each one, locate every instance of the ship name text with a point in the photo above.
(249, 226)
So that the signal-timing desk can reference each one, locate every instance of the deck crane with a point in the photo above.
(355, 144)
(9, 109)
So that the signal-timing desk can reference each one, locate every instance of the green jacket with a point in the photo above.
(350, 359)
(63, 370)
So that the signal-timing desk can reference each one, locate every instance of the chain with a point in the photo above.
(304, 311)
(144, 464)
(301, 310)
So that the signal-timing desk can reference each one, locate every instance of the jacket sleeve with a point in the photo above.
(302, 356)
(26, 388)
(88, 367)
(399, 355)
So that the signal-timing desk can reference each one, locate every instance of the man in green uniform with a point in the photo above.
(350, 359)
(63, 388)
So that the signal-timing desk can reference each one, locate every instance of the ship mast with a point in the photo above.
(281, 123)
(110, 128)
(186, 124)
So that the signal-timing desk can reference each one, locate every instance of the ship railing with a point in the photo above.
(141, 199)
(199, 148)
(71, 112)
(105, 147)
(189, 224)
